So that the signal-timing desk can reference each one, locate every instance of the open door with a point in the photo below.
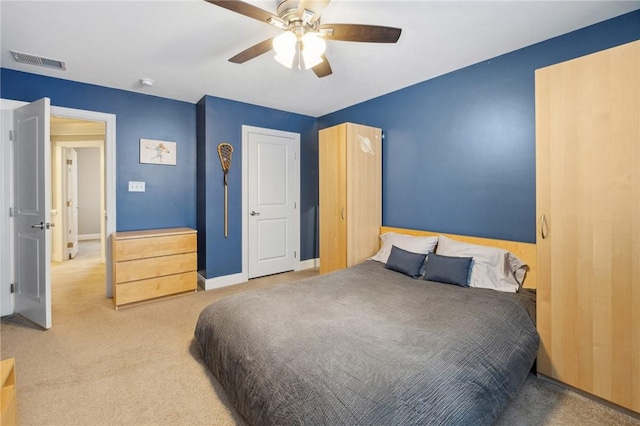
(71, 191)
(32, 209)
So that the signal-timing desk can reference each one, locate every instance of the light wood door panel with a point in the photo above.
(588, 186)
(332, 198)
(364, 192)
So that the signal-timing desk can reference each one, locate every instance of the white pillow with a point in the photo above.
(422, 245)
(492, 267)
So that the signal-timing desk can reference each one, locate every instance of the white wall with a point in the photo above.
(88, 192)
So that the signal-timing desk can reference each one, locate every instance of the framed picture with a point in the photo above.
(158, 152)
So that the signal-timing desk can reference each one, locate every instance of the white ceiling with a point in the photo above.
(184, 45)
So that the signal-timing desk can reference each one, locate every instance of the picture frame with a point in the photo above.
(154, 151)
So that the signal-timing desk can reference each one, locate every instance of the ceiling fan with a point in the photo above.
(304, 36)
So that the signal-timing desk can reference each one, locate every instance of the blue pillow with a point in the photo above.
(406, 262)
(448, 270)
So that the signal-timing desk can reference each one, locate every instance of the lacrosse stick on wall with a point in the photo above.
(225, 151)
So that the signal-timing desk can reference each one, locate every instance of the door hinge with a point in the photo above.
(295, 255)
(10, 135)
(12, 288)
(295, 205)
(10, 211)
(69, 162)
(69, 245)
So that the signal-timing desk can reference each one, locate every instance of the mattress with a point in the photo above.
(367, 345)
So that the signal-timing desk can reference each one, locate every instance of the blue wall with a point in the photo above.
(222, 122)
(458, 154)
(190, 193)
(459, 150)
(170, 196)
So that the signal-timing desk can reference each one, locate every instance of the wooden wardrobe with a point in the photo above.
(350, 176)
(588, 207)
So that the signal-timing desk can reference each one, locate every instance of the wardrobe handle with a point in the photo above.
(544, 227)
(342, 213)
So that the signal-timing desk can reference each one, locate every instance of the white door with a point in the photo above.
(272, 203)
(32, 208)
(71, 189)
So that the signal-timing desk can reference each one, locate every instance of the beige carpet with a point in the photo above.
(138, 365)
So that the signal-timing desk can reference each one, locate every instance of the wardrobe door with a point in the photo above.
(364, 192)
(588, 205)
(332, 198)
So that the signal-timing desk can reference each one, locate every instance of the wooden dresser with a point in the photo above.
(8, 404)
(153, 263)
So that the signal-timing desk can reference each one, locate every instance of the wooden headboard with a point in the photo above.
(524, 251)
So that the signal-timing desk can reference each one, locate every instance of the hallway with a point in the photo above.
(78, 285)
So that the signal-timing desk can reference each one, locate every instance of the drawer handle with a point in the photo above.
(544, 227)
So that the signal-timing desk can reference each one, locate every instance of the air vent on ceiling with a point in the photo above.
(38, 60)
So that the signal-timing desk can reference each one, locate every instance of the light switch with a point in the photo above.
(135, 186)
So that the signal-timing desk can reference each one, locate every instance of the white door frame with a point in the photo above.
(100, 144)
(7, 305)
(110, 175)
(245, 194)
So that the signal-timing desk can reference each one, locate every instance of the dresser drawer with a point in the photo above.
(153, 267)
(128, 249)
(137, 291)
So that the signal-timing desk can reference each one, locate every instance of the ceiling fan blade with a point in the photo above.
(323, 69)
(246, 9)
(316, 6)
(360, 33)
(253, 52)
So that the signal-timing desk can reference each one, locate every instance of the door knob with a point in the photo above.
(254, 213)
(43, 225)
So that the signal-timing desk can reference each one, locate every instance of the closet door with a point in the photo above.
(332, 197)
(364, 192)
(588, 205)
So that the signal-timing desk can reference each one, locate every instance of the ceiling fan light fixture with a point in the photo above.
(313, 48)
(285, 47)
(285, 43)
(285, 59)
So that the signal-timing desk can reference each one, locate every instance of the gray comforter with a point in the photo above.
(369, 346)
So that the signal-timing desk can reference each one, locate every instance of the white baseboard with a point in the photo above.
(219, 282)
(85, 237)
(309, 264)
(227, 280)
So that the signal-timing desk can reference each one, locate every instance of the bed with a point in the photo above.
(369, 345)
